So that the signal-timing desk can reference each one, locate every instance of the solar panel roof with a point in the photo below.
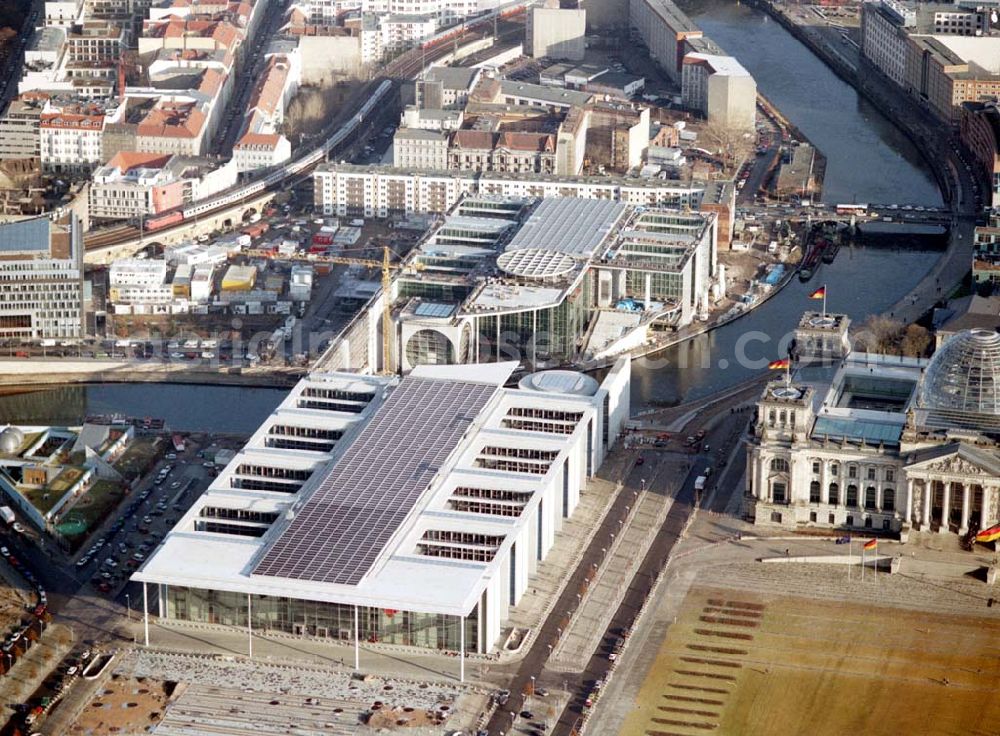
(343, 527)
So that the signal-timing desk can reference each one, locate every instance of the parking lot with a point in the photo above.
(152, 509)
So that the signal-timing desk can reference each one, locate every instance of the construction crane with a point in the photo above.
(385, 265)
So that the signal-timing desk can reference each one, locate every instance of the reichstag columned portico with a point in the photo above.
(882, 442)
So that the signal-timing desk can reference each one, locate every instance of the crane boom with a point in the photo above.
(386, 266)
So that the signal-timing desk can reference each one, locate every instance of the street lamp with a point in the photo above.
(128, 607)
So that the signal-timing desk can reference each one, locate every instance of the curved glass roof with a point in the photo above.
(536, 263)
(964, 374)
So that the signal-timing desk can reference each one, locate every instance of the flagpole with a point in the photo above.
(824, 301)
(850, 555)
(862, 562)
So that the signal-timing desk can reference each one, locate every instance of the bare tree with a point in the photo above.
(731, 145)
(879, 334)
(915, 341)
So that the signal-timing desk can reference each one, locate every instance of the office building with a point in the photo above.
(555, 33)
(979, 127)
(720, 89)
(409, 511)
(41, 279)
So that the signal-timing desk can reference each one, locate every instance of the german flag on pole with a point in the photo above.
(989, 535)
(820, 293)
(779, 365)
(871, 544)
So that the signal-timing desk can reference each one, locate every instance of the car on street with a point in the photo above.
(18, 528)
(4, 551)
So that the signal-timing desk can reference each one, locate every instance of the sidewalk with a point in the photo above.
(570, 542)
(586, 628)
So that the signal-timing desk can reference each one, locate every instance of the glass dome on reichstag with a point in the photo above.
(964, 375)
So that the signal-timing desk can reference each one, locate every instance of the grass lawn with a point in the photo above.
(97, 502)
(138, 456)
(65, 480)
(737, 663)
(43, 499)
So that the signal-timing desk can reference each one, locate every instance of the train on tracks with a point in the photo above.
(474, 24)
(296, 166)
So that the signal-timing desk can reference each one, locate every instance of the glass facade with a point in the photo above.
(429, 347)
(315, 618)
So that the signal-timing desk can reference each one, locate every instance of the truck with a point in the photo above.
(7, 513)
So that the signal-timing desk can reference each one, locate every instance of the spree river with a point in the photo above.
(869, 160)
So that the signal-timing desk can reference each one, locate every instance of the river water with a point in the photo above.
(220, 409)
(869, 160)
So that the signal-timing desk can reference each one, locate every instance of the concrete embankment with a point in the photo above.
(34, 373)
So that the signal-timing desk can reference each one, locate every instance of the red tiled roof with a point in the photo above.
(474, 139)
(270, 140)
(128, 160)
(174, 120)
(71, 120)
(521, 141)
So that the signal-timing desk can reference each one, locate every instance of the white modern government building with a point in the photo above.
(882, 442)
(410, 510)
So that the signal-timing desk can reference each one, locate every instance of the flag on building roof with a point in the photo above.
(820, 293)
(871, 544)
(779, 365)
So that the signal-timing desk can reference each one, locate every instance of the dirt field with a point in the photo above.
(737, 663)
(13, 601)
(124, 706)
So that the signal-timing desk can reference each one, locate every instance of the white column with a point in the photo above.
(908, 518)
(966, 504)
(823, 492)
(461, 648)
(984, 517)
(928, 492)
(357, 641)
(249, 629)
(945, 503)
(145, 613)
(648, 291)
(760, 489)
(534, 339)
